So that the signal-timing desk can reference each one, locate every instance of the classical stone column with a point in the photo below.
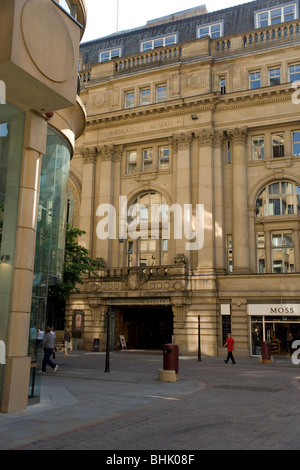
(87, 197)
(107, 232)
(206, 196)
(240, 201)
(182, 144)
(220, 239)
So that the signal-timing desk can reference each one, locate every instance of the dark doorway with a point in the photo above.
(147, 327)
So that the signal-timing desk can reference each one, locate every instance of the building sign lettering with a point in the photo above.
(274, 309)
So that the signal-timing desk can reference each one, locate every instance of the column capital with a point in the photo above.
(110, 153)
(89, 154)
(239, 135)
(182, 141)
(206, 137)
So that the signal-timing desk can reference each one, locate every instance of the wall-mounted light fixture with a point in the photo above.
(194, 117)
(4, 258)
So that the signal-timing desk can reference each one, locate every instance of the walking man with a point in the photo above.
(230, 345)
(49, 348)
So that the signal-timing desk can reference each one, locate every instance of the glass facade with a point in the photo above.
(50, 244)
(278, 331)
(11, 147)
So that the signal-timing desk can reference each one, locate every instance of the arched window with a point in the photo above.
(279, 198)
(277, 228)
(146, 244)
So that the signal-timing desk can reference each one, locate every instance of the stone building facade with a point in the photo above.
(194, 117)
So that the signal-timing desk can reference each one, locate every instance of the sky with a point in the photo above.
(103, 19)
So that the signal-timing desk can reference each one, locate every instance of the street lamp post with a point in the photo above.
(199, 340)
(107, 357)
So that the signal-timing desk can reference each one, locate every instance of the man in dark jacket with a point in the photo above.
(49, 348)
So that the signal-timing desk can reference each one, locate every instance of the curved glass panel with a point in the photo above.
(50, 243)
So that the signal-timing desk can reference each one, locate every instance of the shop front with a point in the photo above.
(278, 324)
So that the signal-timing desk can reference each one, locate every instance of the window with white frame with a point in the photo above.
(149, 213)
(110, 54)
(296, 143)
(147, 159)
(144, 96)
(129, 99)
(222, 85)
(131, 162)
(161, 93)
(276, 15)
(214, 30)
(294, 72)
(164, 158)
(274, 76)
(258, 148)
(283, 256)
(277, 145)
(254, 80)
(163, 41)
(261, 253)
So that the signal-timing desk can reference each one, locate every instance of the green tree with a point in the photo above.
(77, 263)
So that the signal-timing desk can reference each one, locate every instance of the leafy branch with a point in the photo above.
(76, 264)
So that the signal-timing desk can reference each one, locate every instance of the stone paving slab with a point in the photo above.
(212, 406)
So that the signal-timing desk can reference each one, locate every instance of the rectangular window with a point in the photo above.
(131, 162)
(229, 254)
(129, 99)
(283, 253)
(222, 85)
(214, 30)
(110, 54)
(161, 93)
(254, 80)
(130, 253)
(159, 42)
(275, 15)
(147, 252)
(164, 158)
(294, 72)
(296, 144)
(274, 76)
(228, 150)
(277, 145)
(147, 159)
(261, 253)
(258, 148)
(144, 96)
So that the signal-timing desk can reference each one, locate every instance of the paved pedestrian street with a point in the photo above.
(213, 406)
